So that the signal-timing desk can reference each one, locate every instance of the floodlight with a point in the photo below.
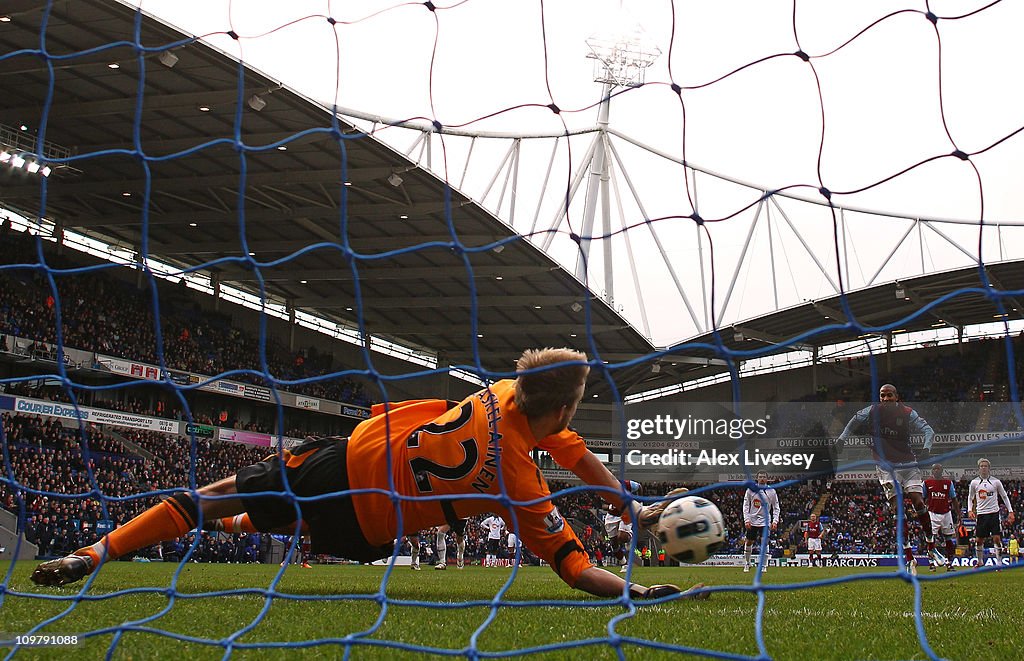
(257, 103)
(168, 59)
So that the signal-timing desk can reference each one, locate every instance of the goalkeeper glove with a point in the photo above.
(653, 592)
(667, 590)
(647, 517)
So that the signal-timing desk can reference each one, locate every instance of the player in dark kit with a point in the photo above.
(944, 511)
(891, 423)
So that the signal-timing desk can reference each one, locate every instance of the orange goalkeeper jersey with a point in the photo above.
(437, 450)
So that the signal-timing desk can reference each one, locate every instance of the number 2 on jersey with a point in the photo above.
(423, 468)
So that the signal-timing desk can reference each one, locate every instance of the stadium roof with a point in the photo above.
(884, 306)
(294, 166)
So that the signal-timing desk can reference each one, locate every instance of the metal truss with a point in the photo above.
(630, 236)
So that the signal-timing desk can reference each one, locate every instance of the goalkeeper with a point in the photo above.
(436, 448)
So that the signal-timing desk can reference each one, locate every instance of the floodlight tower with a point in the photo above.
(621, 58)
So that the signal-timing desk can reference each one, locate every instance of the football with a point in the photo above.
(691, 529)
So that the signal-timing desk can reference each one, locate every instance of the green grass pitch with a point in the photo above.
(966, 616)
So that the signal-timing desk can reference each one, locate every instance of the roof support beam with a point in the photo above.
(916, 298)
(368, 274)
(502, 330)
(276, 247)
(429, 302)
(282, 177)
(207, 216)
(768, 338)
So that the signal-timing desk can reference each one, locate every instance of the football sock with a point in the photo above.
(170, 519)
(981, 555)
(925, 519)
(998, 550)
(746, 554)
(950, 549)
(442, 549)
(240, 523)
(460, 548)
(908, 554)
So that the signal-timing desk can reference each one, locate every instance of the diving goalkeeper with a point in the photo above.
(437, 448)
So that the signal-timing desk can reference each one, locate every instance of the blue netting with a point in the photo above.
(350, 258)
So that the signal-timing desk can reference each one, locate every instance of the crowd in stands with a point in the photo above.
(949, 389)
(107, 316)
(129, 404)
(46, 457)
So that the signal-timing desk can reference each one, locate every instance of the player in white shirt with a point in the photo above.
(458, 531)
(983, 500)
(760, 508)
(513, 543)
(494, 525)
(620, 531)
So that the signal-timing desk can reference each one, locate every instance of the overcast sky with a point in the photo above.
(762, 125)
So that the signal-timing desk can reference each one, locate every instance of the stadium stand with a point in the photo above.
(108, 316)
(46, 456)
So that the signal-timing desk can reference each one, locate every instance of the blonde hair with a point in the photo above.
(548, 390)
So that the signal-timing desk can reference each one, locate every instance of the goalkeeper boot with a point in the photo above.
(62, 571)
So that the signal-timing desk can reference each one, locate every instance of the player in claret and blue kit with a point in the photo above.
(944, 510)
(891, 423)
(813, 538)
